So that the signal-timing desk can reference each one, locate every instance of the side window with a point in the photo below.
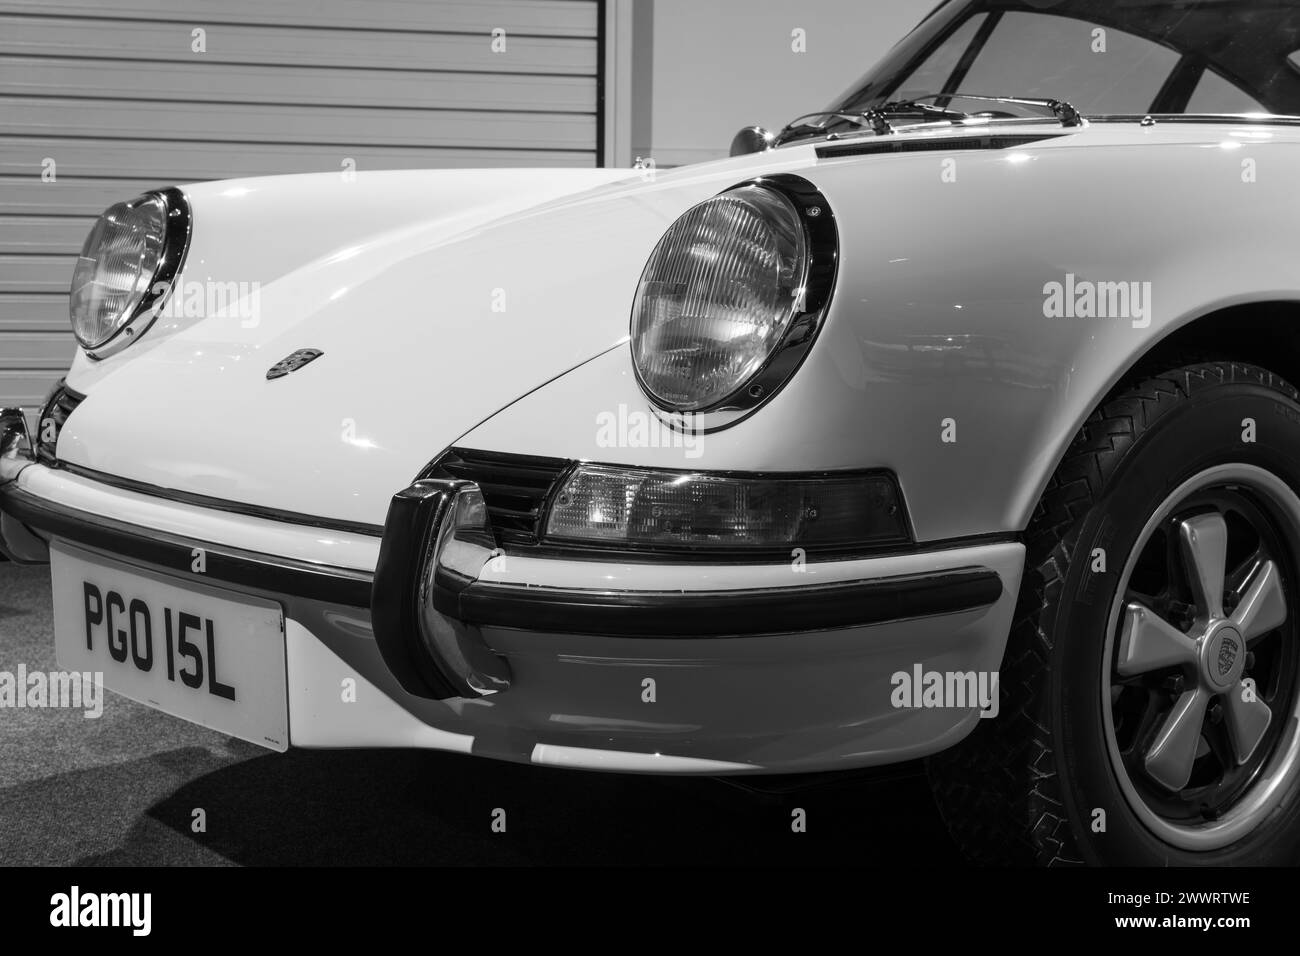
(933, 73)
(1214, 94)
(1097, 69)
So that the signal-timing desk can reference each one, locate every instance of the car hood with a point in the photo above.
(436, 299)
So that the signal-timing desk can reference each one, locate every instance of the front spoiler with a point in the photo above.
(807, 698)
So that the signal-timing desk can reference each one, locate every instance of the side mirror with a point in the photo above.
(752, 139)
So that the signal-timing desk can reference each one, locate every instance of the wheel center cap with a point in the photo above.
(1223, 657)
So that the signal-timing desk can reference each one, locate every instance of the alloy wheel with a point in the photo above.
(1202, 658)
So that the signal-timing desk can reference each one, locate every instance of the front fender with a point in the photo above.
(938, 359)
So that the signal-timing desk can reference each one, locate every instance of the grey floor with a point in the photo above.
(123, 789)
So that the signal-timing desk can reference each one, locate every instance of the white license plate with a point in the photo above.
(189, 650)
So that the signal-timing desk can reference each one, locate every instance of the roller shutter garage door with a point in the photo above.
(116, 95)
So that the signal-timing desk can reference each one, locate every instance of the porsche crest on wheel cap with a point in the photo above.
(293, 362)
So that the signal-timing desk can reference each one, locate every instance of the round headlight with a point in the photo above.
(719, 295)
(125, 270)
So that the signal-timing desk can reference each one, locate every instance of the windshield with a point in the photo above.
(1101, 56)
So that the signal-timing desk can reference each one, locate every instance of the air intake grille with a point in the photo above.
(515, 487)
(61, 403)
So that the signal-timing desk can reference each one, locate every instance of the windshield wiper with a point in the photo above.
(1062, 110)
(915, 107)
(878, 118)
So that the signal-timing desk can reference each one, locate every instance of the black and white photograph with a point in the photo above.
(644, 434)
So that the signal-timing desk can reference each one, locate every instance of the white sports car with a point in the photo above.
(953, 421)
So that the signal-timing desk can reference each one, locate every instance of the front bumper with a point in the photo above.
(661, 668)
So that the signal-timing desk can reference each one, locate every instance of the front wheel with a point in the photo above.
(1151, 685)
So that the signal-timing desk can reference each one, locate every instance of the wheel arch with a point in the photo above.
(1265, 333)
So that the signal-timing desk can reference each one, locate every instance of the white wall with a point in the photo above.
(719, 65)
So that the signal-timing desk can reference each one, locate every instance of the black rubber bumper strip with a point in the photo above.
(175, 554)
(739, 613)
(218, 504)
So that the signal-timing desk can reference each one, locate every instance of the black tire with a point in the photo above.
(1023, 788)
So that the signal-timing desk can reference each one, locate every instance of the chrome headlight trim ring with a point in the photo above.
(821, 236)
(178, 227)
